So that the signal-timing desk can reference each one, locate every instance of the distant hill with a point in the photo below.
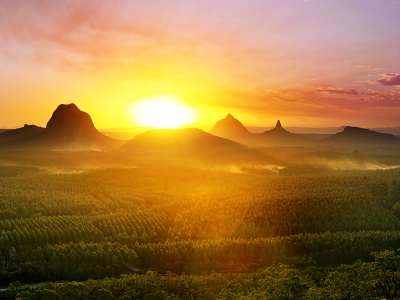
(69, 128)
(124, 136)
(353, 136)
(185, 141)
(124, 133)
(20, 133)
(323, 130)
(233, 129)
(391, 130)
(127, 129)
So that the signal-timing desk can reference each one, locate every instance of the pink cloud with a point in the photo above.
(307, 96)
(390, 79)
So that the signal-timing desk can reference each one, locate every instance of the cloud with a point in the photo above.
(390, 79)
(368, 68)
(306, 106)
(370, 93)
(331, 90)
(93, 35)
(368, 99)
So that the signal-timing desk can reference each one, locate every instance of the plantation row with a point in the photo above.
(125, 228)
(280, 206)
(209, 204)
(69, 261)
(96, 192)
(199, 204)
(244, 255)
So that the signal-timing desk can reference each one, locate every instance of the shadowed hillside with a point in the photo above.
(20, 133)
(188, 141)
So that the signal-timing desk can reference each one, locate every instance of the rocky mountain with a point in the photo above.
(69, 128)
(355, 136)
(231, 128)
(179, 141)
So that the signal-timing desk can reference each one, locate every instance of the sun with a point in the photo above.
(161, 112)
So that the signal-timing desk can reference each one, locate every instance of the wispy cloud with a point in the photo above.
(331, 90)
(371, 68)
(368, 99)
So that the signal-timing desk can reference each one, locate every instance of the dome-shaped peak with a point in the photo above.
(69, 118)
(68, 107)
(278, 124)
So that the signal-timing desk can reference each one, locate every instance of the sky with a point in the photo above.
(313, 63)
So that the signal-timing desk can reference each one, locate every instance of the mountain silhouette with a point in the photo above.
(353, 136)
(20, 133)
(230, 128)
(176, 141)
(279, 136)
(69, 128)
(233, 129)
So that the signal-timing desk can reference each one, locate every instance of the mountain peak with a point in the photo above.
(68, 118)
(229, 127)
(69, 128)
(68, 107)
(278, 124)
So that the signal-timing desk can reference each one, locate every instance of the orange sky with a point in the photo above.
(307, 63)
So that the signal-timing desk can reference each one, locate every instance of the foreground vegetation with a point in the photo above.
(200, 231)
(379, 279)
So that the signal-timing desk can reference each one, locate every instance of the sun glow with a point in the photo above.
(161, 112)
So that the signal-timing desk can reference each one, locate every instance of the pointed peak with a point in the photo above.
(278, 124)
(229, 116)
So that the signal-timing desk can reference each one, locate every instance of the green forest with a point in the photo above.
(184, 230)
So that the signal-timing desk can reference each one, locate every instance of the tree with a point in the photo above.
(103, 294)
(15, 286)
(282, 282)
(125, 297)
(44, 294)
(386, 270)
(74, 291)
